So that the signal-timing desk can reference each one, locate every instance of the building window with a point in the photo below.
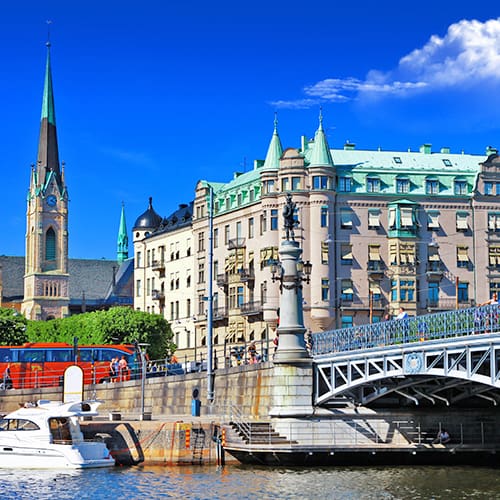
(324, 217)
(138, 259)
(50, 244)
(201, 242)
(447, 163)
(263, 222)
(216, 237)
(397, 159)
(268, 187)
(346, 321)
(148, 287)
(345, 184)
(201, 304)
(372, 184)
(274, 220)
(188, 279)
(346, 254)
(488, 188)
(374, 263)
(406, 290)
(172, 311)
(325, 290)
(263, 292)
(188, 308)
(251, 228)
(373, 218)
(201, 272)
(138, 288)
(402, 185)
(460, 187)
(296, 184)
(251, 195)
(462, 256)
(495, 288)
(494, 256)
(432, 220)
(176, 309)
(324, 252)
(433, 293)
(347, 292)
(227, 233)
(463, 292)
(406, 217)
(238, 230)
(285, 184)
(494, 221)
(240, 296)
(432, 186)
(462, 221)
(320, 182)
(346, 218)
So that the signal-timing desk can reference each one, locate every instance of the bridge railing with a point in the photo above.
(441, 325)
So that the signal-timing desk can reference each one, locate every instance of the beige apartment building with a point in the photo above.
(382, 229)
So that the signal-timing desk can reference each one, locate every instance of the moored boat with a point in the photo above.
(48, 436)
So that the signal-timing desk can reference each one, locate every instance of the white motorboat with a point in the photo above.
(48, 436)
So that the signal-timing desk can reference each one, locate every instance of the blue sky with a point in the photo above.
(152, 96)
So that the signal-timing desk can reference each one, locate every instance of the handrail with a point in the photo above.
(441, 325)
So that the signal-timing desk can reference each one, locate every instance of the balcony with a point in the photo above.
(158, 265)
(434, 270)
(222, 280)
(363, 303)
(236, 243)
(246, 275)
(219, 313)
(375, 269)
(447, 304)
(157, 295)
(251, 308)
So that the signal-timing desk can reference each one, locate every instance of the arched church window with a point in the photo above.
(50, 245)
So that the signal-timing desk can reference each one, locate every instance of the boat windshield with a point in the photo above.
(17, 424)
(60, 430)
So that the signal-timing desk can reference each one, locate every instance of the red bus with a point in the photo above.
(34, 365)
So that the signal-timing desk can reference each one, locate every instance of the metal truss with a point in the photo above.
(444, 371)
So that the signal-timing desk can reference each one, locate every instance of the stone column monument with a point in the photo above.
(292, 392)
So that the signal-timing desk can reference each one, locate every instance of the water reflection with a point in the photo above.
(254, 483)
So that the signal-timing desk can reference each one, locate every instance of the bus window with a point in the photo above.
(31, 355)
(6, 355)
(64, 355)
(87, 355)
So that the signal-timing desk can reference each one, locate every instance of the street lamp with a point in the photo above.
(142, 356)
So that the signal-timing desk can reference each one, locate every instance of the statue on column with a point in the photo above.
(289, 216)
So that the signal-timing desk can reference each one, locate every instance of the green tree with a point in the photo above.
(12, 327)
(119, 325)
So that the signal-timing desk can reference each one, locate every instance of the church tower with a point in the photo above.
(122, 243)
(46, 278)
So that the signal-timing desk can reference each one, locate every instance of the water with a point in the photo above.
(254, 483)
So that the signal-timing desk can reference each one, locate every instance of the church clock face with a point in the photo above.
(51, 201)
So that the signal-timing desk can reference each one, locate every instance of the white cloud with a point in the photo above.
(468, 55)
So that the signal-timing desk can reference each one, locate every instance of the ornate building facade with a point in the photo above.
(382, 229)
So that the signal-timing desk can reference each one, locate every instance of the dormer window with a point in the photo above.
(345, 184)
(372, 184)
(402, 185)
(431, 185)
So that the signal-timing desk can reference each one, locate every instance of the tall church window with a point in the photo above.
(50, 245)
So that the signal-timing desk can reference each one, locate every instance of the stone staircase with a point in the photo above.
(255, 433)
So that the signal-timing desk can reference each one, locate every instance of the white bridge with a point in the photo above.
(440, 359)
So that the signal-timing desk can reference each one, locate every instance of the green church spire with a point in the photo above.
(321, 155)
(48, 152)
(275, 149)
(122, 249)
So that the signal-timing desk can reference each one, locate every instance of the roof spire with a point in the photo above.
(122, 248)
(321, 155)
(48, 152)
(275, 149)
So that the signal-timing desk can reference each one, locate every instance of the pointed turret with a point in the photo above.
(321, 155)
(48, 153)
(275, 149)
(122, 248)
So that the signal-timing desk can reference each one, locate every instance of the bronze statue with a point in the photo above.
(289, 216)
